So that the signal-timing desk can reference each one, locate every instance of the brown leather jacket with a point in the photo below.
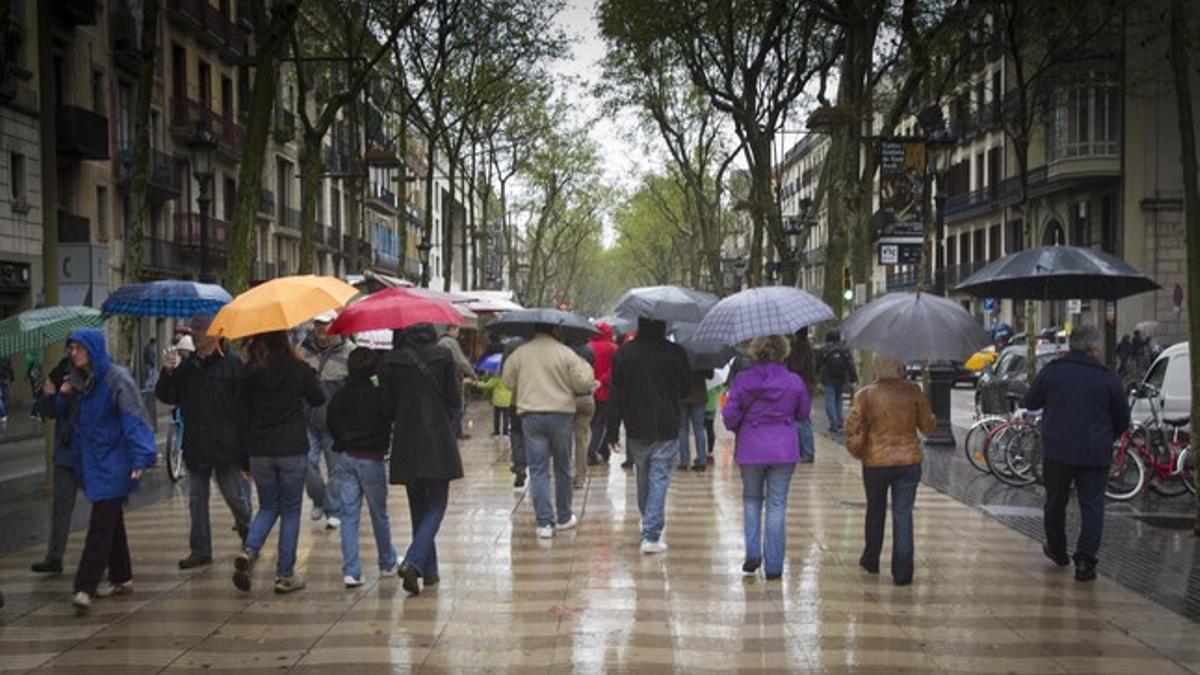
(889, 413)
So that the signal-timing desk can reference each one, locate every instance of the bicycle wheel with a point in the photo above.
(1186, 465)
(976, 442)
(1164, 481)
(1020, 455)
(175, 466)
(998, 449)
(1127, 475)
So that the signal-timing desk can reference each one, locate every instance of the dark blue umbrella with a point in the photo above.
(166, 299)
(489, 363)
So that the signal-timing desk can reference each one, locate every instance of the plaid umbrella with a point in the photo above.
(36, 328)
(664, 303)
(770, 310)
(166, 299)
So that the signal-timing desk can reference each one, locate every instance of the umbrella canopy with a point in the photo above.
(1057, 273)
(915, 327)
(394, 308)
(489, 363)
(755, 312)
(165, 299)
(663, 303)
(701, 355)
(280, 304)
(572, 327)
(36, 328)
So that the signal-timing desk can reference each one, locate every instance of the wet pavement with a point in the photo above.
(984, 598)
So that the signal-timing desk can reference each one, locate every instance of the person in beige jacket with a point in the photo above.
(882, 432)
(546, 377)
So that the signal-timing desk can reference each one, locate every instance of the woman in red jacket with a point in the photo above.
(603, 347)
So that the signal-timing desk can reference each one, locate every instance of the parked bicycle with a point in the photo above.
(1160, 446)
(176, 469)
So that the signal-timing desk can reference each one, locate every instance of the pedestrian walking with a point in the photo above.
(150, 362)
(691, 415)
(32, 367)
(836, 369)
(649, 378)
(449, 341)
(1084, 410)
(422, 388)
(272, 392)
(802, 362)
(67, 481)
(1124, 351)
(603, 348)
(882, 433)
(547, 377)
(501, 398)
(327, 355)
(111, 445)
(765, 404)
(204, 389)
(516, 439)
(361, 425)
(581, 433)
(712, 406)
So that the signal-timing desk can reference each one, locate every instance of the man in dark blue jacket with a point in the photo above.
(1084, 411)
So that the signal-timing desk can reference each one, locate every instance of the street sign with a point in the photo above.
(889, 254)
(989, 304)
(900, 250)
(1074, 306)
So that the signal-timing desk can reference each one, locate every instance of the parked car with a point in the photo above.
(1004, 383)
(1170, 374)
(962, 375)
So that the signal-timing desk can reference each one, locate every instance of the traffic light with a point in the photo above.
(847, 286)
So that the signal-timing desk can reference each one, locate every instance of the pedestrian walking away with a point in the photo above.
(327, 355)
(581, 432)
(361, 425)
(150, 362)
(1084, 410)
(204, 388)
(516, 440)
(691, 416)
(501, 398)
(422, 387)
(449, 341)
(32, 367)
(837, 372)
(111, 445)
(765, 404)
(272, 392)
(802, 362)
(882, 433)
(649, 378)
(67, 482)
(547, 377)
(603, 348)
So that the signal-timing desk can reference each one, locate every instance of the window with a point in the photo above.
(978, 254)
(205, 76)
(980, 180)
(993, 242)
(1108, 226)
(1016, 236)
(98, 92)
(16, 178)
(226, 97)
(1086, 118)
(102, 212)
(951, 250)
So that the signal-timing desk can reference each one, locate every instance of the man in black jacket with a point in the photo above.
(649, 379)
(204, 387)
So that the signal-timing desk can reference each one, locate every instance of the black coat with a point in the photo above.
(1083, 408)
(359, 419)
(424, 445)
(205, 390)
(650, 377)
(270, 405)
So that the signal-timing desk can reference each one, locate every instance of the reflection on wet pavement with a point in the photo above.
(984, 600)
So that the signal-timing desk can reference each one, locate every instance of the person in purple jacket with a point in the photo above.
(765, 403)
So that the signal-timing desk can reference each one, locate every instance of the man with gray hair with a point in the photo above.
(1084, 411)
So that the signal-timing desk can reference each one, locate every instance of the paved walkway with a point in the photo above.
(984, 599)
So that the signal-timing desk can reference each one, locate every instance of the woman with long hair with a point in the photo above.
(271, 394)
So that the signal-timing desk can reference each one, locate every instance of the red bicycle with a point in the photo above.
(1159, 446)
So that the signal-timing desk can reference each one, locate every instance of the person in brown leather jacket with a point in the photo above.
(882, 432)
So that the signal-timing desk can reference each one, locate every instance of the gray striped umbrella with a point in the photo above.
(915, 327)
(769, 310)
(36, 328)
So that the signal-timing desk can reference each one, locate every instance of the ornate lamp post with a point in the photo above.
(203, 147)
(423, 249)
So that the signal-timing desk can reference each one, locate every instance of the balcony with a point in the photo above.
(266, 204)
(1009, 192)
(334, 161)
(263, 271)
(82, 134)
(164, 180)
(385, 260)
(72, 13)
(288, 222)
(906, 279)
(187, 115)
(382, 198)
(968, 204)
(956, 274)
(160, 258)
(324, 237)
(284, 128)
(210, 27)
(73, 229)
(364, 248)
(187, 234)
(124, 31)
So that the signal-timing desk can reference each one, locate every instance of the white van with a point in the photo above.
(1171, 375)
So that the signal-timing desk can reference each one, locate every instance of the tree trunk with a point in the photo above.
(310, 184)
(47, 136)
(1178, 55)
(833, 173)
(254, 153)
(430, 155)
(402, 198)
(358, 184)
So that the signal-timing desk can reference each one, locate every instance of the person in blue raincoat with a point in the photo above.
(111, 445)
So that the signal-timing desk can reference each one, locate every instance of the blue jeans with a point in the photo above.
(427, 501)
(280, 483)
(903, 482)
(767, 483)
(325, 494)
(361, 478)
(808, 445)
(548, 435)
(693, 414)
(833, 405)
(653, 462)
(233, 489)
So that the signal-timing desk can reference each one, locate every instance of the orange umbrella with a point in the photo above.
(280, 304)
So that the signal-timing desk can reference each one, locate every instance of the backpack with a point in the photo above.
(836, 364)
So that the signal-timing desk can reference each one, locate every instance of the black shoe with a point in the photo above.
(871, 569)
(699, 467)
(902, 581)
(243, 567)
(47, 566)
(1060, 559)
(681, 467)
(408, 578)
(626, 465)
(193, 561)
(774, 577)
(750, 567)
(1085, 570)
(519, 480)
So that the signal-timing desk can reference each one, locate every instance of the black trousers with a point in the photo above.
(501, 420)
(105, 548)
(598, 443)
(1089, 484)
(710, 432)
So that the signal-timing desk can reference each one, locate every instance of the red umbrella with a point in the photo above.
(393, 308)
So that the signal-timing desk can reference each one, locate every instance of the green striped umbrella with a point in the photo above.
(36, 328)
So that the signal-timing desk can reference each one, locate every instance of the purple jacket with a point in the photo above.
(765, 402)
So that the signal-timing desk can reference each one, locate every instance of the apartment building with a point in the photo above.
(800, 173)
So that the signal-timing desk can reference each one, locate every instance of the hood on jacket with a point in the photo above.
(415, 335)
(651, 329)
(93, 341)
(606, 331)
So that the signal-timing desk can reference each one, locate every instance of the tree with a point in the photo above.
(649, 245)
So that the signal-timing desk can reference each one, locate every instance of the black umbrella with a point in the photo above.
(1057, 273)
(701, 355)
(665, 303)
(571, 328)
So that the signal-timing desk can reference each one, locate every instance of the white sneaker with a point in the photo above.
(569, 525)
(649, 547)
(333, 523)
(352, 582)
(317, 513)
(545, 532)
(109, 589)
(82, 601)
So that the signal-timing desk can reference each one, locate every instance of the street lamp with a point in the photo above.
(423, 249)
(203, 147)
